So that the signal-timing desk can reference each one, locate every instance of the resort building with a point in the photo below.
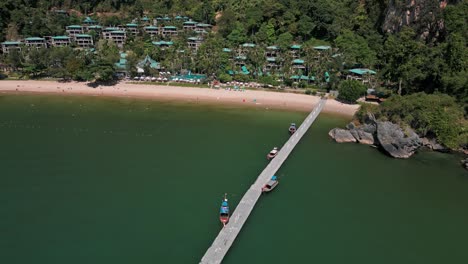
(7, 46)
(163, 44)
(190, 25)
(272, 64)
(84, 41)
(35, 42)
(118, 36)
(169, 31)
(89, 22)
(145, 20)
(271, 51)
(106, 32)
(60, 41)
(121, 66)
(202, 28)
(147, 62)
(322, 48)
(298, 64)
(74, 30)
(361, 74)
(295, 51)
(151, 30)
(244, 48)
(194, 43)
(95, 28)
(240, 60)
(132, 29)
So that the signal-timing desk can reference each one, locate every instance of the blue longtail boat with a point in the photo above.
(224, 211)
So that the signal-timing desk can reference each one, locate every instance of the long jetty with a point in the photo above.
(228, 234)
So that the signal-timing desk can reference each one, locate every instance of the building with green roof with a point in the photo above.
(169, 31)
(190, 25)
(84, 41)
(147, 62)
(248, 45)
(202, 28)
(194, 43)
(73, 30)
(163, 44)
(322, 47)
(96, 28)
(153, 31)
(35, 42)
(89, 21)
(271, 51)
(60, 41)
(132, 28)
(8, 46)
(119, 37)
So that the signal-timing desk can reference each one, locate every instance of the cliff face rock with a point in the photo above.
(396, 142)
(400, 13)
(341, 135)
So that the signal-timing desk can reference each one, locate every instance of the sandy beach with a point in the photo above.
(265, 99)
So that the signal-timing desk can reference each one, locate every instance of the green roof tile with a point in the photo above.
(11, 43)
(60, 37)
(34, 39)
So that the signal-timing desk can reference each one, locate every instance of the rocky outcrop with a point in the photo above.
(362, 136)
(465, 163)
(341, 135)
(432, 144)
(396, 142)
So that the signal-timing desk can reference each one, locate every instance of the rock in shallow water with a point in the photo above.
(362, 137)
(341, 135)
(395, 142)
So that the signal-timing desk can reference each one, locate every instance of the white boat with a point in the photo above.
(272, 153)
(271, 184)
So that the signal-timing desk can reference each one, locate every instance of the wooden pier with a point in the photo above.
(228, 234)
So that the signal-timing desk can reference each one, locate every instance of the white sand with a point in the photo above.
(263, 99)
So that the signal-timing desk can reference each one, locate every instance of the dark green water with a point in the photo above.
(88, 180)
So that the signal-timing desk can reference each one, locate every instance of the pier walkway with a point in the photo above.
(228, 234)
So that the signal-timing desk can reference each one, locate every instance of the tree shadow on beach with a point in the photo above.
(96, 84)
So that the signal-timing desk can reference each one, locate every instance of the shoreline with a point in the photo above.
(251, 98)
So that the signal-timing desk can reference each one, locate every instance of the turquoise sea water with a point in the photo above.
(92, 180)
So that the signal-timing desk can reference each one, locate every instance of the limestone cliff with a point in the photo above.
(422, 15)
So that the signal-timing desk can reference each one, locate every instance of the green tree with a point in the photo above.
(355, 49)
(351, 90)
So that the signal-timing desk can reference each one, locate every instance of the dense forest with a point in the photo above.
(414, 45)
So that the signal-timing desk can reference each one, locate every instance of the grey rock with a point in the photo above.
(432, 143)
(350, 126)
(341, 135)
(369, 128)
(396, 142)
(362, 136)
(465, 163)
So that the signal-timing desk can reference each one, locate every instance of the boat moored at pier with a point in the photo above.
(272, 153)
(271, 184)
(224, 211)
(292, 128)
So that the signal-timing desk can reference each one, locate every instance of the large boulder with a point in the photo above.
(396, 142)
(341, 135)
(362, 136)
